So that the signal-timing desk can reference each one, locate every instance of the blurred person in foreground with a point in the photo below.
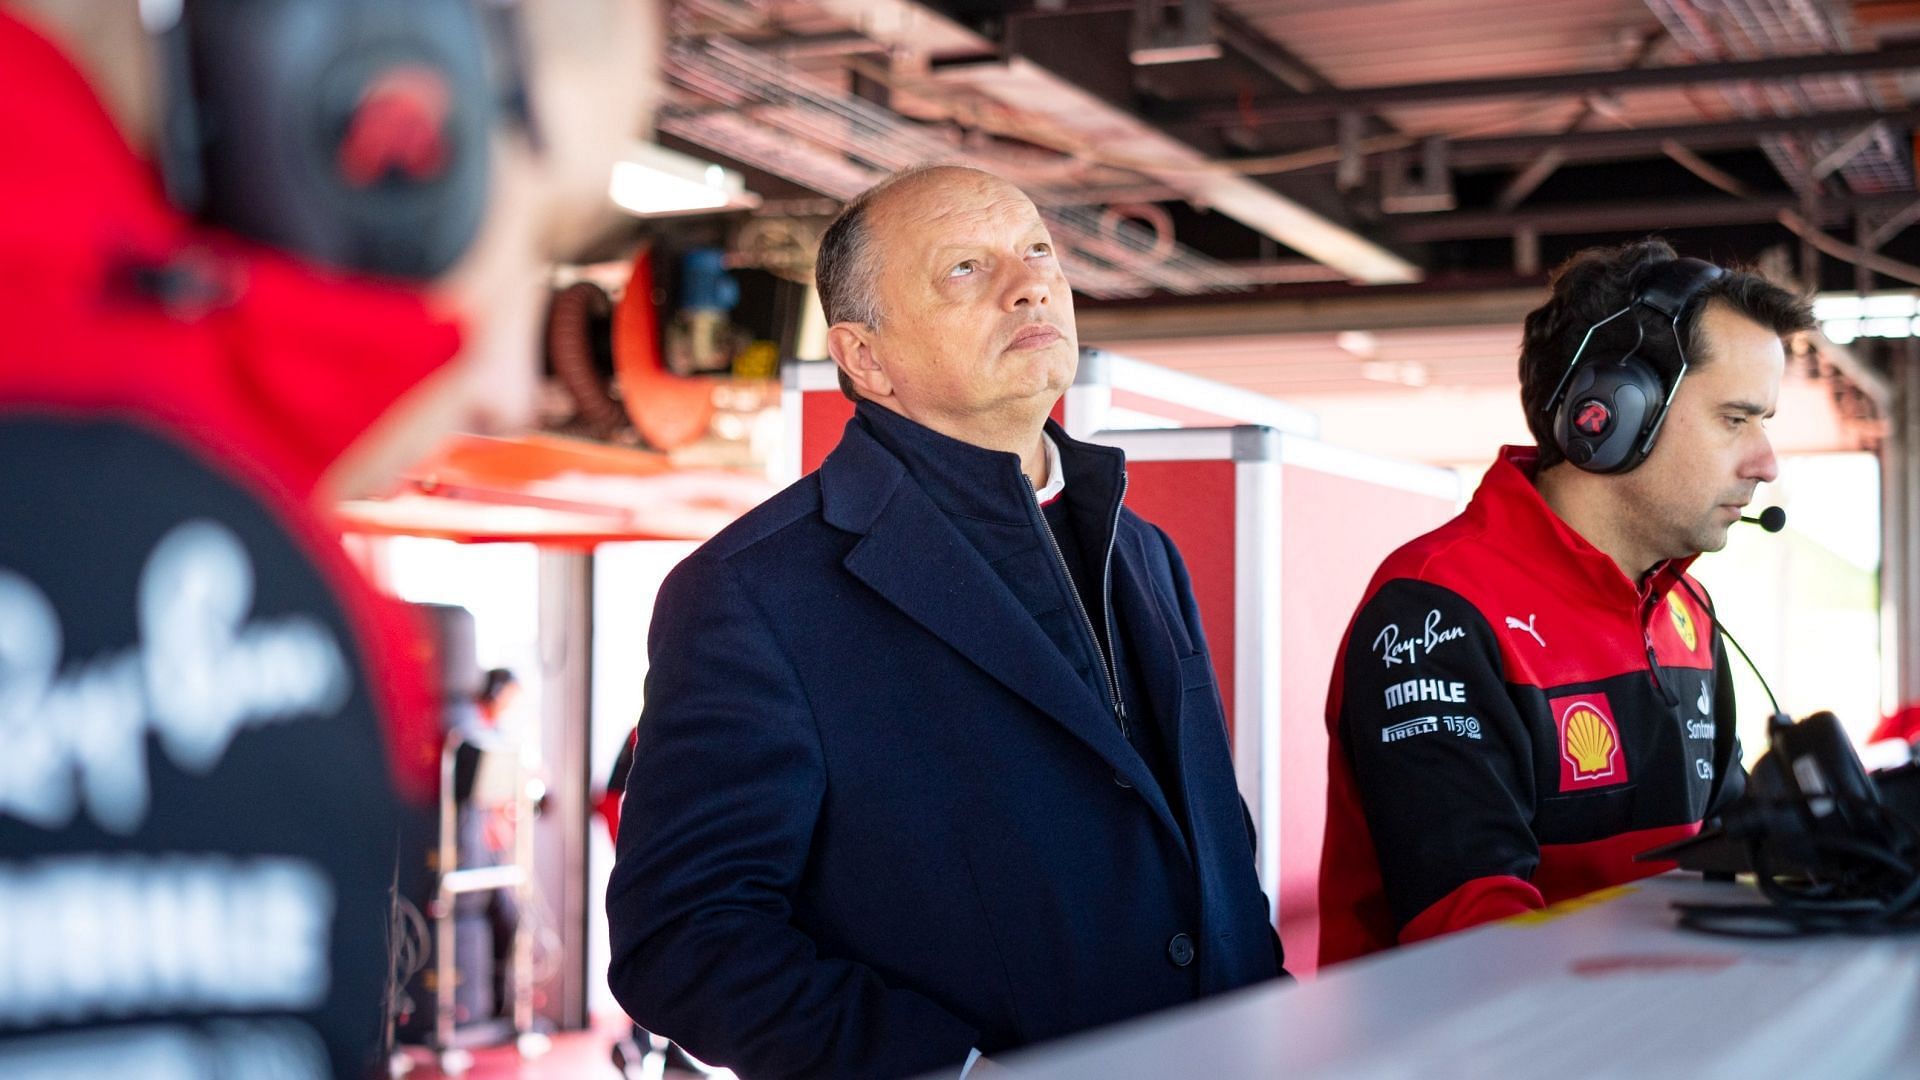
(932, 762)
(1536, 691)
(253, 258)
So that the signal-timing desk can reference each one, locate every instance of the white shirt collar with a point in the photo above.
(1056, 476)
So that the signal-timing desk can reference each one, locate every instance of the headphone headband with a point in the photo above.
(1673, 285)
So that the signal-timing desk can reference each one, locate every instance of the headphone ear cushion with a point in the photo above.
(1604, 417)
(355, 133)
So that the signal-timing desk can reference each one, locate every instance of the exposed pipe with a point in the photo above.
(1845, 252)
(1788, 34)
(1325, 105)
(844, 146)
(570, 347)
(1705, 170)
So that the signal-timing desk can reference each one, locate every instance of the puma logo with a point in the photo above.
(1516, 624)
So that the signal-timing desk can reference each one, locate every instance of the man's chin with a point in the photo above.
(1712, 538)
(1044, 372)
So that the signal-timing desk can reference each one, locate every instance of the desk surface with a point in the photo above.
(1602, 986)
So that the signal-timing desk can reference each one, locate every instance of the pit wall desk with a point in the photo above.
(1603, 986)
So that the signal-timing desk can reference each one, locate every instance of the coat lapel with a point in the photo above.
(913, 557)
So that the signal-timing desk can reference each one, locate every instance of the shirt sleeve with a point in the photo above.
(1442, 761)
(721, 806)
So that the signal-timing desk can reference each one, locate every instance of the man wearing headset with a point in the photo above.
(1534, 692)
(253, 257)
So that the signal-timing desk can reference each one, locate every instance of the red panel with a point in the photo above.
(823, 414)
(1194, 502)
(1334, 533)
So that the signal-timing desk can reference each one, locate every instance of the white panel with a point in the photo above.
(787, 469)
(1183, 444)
(1256, 671)
(1228, 402)
(815, 375)
(1359, 465)
(1088, 408)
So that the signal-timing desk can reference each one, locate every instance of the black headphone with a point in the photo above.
(1607, 414)
(353, 133)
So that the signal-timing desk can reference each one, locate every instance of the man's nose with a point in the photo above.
(1030, 287)
(1762, 464)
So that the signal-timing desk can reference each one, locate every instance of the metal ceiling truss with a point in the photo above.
(786, 122)
(1830, 116)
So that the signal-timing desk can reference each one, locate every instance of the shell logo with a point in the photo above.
(1589, 743)
(1591, 755)
(1682, 620)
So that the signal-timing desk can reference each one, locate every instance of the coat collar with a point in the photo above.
(913, 556)
(1509, 508)
(959, 477)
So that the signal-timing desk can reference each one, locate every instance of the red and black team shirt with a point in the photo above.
(208, 719)
(1511, 720)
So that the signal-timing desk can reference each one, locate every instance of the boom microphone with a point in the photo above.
(1772, 519)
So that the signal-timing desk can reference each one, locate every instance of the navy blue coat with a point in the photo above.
(875, 819)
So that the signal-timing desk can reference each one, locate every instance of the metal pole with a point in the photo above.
(1906, 654)
(560, 857)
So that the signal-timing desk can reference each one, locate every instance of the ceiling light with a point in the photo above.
(1357, 343)
(653, 181)
(1845, 317)
(1403, 372)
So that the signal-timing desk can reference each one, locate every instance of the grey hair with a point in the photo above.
(846, 272)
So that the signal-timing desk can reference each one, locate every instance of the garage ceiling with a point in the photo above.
(1232, 163)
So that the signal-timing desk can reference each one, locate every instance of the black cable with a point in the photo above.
(1867, 883)
(1856, 885)
(1720, 626)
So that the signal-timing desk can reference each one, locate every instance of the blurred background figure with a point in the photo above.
(499, 691)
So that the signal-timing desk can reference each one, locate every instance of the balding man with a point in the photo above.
(932, 762)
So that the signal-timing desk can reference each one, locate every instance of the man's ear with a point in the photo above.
(851, 346)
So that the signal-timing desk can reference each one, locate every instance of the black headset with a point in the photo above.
(353, 133)
(1607, 413)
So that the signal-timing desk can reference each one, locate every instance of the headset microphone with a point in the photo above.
(1772, 519)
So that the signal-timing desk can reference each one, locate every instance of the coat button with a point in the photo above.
(1121, 780)
(1180, 950)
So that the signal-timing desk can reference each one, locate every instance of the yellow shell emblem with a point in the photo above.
(1682, 620)
(1589, 741)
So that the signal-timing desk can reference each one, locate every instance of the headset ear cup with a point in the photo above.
(1607, 419)
(354, 133)
(1603, 419)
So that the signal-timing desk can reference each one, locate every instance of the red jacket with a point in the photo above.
(1903, 724)
(1511, 720)
(269, 381)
